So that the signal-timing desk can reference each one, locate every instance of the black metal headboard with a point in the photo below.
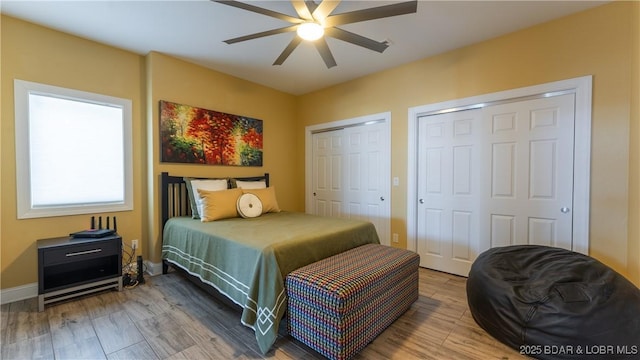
(175, 198)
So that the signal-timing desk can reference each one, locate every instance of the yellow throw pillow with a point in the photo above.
(205, 184)
(219, 204)
(267, 196)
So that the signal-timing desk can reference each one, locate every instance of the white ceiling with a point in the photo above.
(195, 30)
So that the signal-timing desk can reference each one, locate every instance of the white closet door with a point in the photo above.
(327, 181)
(350, 178)
(530, 173)
(501, 175)
(450, 187)
(366, 185)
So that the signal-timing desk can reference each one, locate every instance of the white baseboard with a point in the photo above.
(18, 293)
(153, 269)
(29, 291)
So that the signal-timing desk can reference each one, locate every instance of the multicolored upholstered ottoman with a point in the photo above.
(340, 304)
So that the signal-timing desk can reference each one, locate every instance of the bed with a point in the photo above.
(247, 259)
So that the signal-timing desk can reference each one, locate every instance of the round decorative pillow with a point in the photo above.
(552, 303)
(249, 206)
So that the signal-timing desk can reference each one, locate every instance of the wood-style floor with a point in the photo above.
(170, 318)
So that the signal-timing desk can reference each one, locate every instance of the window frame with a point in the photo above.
(25, 210)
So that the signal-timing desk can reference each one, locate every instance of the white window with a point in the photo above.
(73, 151)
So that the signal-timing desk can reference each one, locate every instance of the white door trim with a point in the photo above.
(308, 151)
(581, 86)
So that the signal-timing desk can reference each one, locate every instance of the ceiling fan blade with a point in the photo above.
(302, 9)
(288, 50)
(311, 5)
(323, 49)
(324, 9)
(259, 10)
(262, 34)
(356, 39)
(402, 8)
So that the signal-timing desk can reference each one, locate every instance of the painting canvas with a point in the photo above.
(199, 136)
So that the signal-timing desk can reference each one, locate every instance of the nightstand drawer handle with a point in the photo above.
(84, 252)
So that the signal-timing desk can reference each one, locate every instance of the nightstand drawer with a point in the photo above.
(81, 252)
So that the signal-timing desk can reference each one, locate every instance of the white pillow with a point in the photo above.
(249, 206)
(206, 184)
(262, 184)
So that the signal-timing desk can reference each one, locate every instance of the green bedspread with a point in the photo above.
(248, 259)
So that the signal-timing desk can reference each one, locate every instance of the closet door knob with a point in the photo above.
(381, 198)
(421, 201)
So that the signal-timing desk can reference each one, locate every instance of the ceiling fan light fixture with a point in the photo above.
(310, 31)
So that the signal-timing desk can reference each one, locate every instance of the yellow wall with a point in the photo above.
(633, 253)
(34, 53)
(597, 42)
(178, 81)
(602, 42)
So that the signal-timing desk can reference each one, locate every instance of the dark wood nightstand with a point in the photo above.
(69, 267)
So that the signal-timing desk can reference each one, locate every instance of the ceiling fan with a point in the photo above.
(317, 20)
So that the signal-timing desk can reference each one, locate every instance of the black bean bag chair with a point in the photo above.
(552, 303)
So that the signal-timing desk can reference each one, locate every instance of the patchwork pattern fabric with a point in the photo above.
(338, 305)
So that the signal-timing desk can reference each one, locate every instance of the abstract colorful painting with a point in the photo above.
(199, 136)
